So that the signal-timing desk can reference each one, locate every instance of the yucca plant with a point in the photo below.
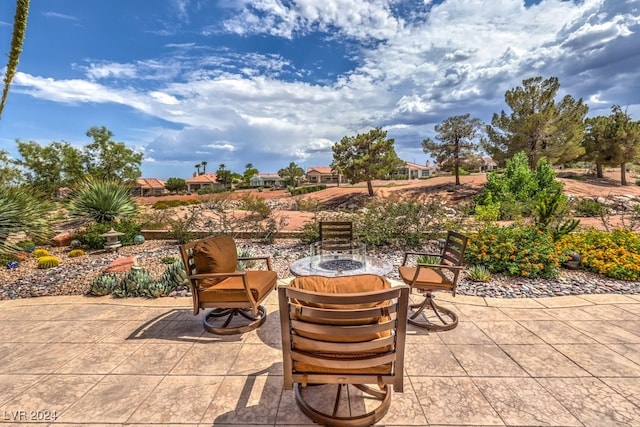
(20, 210)
(102, 201)
(478, 273)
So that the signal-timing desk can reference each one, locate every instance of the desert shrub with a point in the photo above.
(400, 222)
(180, 228)
(26, 245)
(589, 208)
(308, 204)
(517, 190)
(211, 189)
(307, 189)
(256, 205)
(90, 235)
(169, 260)
(614, 254)
(166, 204)
(515, 250)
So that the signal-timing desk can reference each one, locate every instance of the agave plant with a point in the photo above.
(104, 284)
(102, 201)
(174, 276)
(136, 282)
(22, 211)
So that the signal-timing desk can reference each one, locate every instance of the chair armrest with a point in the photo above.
(257, 258)
(212, 275)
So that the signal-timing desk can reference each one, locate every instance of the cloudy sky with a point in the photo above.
(269, 82)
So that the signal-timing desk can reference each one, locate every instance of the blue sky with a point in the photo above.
(269, 82)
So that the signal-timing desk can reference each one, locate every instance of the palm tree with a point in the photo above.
(198, 167)
(19, 28)
(204, 166)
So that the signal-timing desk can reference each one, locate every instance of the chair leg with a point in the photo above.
(212, 320)
(418, 310)
(362, 420)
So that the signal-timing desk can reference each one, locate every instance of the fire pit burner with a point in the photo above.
(340, 265)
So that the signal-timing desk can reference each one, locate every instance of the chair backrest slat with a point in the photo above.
(355, 363)
(327, 331)
(311, 345)
(336, 231)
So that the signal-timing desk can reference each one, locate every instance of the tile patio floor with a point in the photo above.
(566, 361)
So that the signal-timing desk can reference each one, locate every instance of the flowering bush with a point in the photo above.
(515, 250)
(615, 254)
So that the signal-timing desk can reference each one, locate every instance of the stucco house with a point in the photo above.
(324, 175)
(267, 180)
(412, 170)
(488, 164)
(197, 182)
(145, 187)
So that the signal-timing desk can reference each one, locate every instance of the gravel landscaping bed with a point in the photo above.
(74, 275)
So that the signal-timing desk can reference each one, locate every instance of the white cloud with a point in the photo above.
(460, 57)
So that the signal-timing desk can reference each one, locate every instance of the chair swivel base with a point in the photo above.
(358, 420)
(212, 322)
(418, 316)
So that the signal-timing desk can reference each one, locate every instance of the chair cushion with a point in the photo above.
(341, 284)
(428, 278)
(231, 289)
(216, 254)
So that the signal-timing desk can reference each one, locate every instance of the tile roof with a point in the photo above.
(324, 170)
(150, 183)
(207, 178)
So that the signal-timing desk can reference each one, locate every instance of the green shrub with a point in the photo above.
(308, 204)
(589, 208)
(90, 235)
(614, 254)
(174, 203)
(428, 259)
(26, 245)
(169, 260)
(515, 250)
(257, 205)
(48, 261)
(306, 189)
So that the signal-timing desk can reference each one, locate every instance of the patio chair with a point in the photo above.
(428, 278)
(349, 331)
(211, 265)
(336, 235)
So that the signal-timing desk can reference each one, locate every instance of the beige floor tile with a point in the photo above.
(177, 400)
(605, 331)
(153, 359)
(508, 333)
(53, 394)
(245, 400)
(482, 314)
(609, 299)
(453, 401)
(45, 359)
(627, 387)
(254, 359)
(519, 303)
(566, 301)
(289, 413)
(609, 312)
(522, 401)
(568, 313)
(20, 331)
(178, 331)
(405, 409)
(88, 331)
(631, 308)
(133, 330)
(11, 351)
(100, 358)
(599, 360)
(526, 314)
(13, 385)
(431, 360)
(208, 359)
(593, 402)
(556, 332)
(542, 360)
(112, 400)
(630, 351)
(416, 335)
(465, 333)
(269, 333)
(632, 326)
(485, 360)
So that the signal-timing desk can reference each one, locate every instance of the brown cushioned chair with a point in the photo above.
(215, 283)
(428, 278)
(347, 330)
